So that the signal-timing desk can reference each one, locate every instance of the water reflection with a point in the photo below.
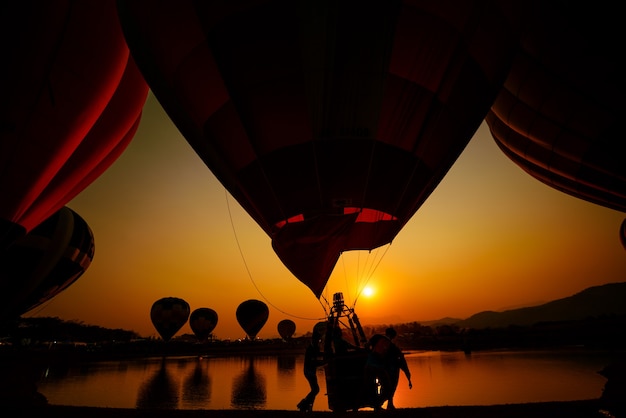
(286, 370)
(197, 386)
(159, 391)
(249, 388)
(277, 382)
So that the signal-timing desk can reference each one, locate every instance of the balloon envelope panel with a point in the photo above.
(168, 315)
(329, 122)
(252, 315)
(560, 111)
(286, 328)
(44, 262)
(202, 322)
(70, 101)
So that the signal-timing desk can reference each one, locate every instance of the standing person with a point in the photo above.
(312, 360)
(377, 380)
(395, 362)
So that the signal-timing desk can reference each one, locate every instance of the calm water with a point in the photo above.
(276, 382)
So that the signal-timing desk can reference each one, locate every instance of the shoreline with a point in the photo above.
(565, 409)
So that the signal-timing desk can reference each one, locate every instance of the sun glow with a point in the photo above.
(368, 291)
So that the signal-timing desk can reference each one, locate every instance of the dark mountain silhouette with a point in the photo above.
(597, 301)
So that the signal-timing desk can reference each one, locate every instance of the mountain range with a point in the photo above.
(593, 302)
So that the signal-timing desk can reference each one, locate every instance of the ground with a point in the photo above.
(573, 409)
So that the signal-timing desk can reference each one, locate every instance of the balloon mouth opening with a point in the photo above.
(364, 215)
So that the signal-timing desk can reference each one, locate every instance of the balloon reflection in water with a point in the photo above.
(197, 386)
(160, 391)
(286, 369)
(249, 389)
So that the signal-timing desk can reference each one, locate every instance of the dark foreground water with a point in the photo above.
(276, 382)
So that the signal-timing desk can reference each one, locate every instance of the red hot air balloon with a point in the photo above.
(70, 102)
(44, 262)
(252, 315)
(286, 328)
(168, 315)
(330, 122)
(202, 322)
(560, 113)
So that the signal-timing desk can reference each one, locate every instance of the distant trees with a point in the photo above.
(49, 329)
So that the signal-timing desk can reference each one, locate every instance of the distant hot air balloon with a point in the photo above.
(560, 114)
(202, 322)
(168, 315)
(286, 328)
(70, 102)
(330, 122)
(252, 315)
(44, 262)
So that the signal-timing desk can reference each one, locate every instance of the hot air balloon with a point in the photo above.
(44, 262)
(168, 315)
(202, 322)
(286, 328)
(70, 102)
(252, 315)
(330, 122)
(559, 115)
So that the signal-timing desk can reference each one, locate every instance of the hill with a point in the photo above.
(597, 301)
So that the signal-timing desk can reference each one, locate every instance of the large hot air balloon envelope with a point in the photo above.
(560, 114)
(44, 262)
(286, 328)
(330, 122)
(252, 315)
(70, 102)
(202, 322)
(168, 315)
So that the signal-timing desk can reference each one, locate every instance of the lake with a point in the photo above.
(277, 382)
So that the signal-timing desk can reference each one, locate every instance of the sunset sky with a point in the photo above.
(489, 238)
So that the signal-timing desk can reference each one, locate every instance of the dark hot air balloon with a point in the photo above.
(168, 315)
(202, 322)
(44, 262)
(559, 115)
(70, 102)
(330, 122)
(286, 328)
(252, 315)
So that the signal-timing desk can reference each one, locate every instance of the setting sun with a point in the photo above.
(368, 291)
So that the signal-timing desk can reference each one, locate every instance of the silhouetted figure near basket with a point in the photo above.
(340, 344)
(312, 360)
(377, 380)
(394, 362)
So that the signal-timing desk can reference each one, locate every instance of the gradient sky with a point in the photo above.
(490, 237)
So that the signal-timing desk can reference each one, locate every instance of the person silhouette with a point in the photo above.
(312, 360)
(394, 362)
(340, 344)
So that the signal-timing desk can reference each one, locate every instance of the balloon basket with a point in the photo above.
(346, 386)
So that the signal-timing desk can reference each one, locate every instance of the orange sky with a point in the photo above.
(490, 237)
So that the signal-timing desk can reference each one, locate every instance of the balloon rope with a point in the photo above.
(370, 274)
(243, 258)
